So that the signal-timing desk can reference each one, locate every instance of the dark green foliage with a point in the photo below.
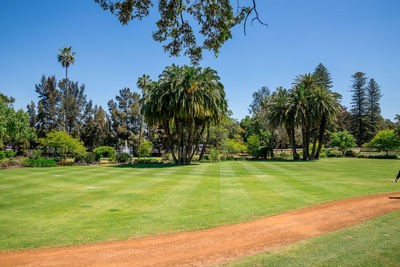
(359, 103)
(125, 115)
(373, 108)
(104, 151)
(179, 20)
(96, 129)
(123, 157)
(7, 99)
(39, 163)
(7, 154)
(47, 117)
(72, 106)
(147, 161)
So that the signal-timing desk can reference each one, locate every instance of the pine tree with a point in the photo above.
(48, 108)
(324, 77)
(373, 108)
(359, 104)
(72, 106)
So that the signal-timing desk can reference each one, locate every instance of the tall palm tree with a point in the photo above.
(325, 105)
(143, 83)
(281, 114)
(397, 118)
(66, 57)
(182, 102)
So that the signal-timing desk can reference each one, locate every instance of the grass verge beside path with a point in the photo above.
(373, 243)
(77, 205)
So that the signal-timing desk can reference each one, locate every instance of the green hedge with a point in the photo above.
(39, 163)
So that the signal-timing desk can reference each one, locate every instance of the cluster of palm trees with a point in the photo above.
(183, 102)
(309, 105)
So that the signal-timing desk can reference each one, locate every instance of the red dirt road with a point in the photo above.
(217, 245)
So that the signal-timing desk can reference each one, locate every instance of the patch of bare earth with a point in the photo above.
(217, 245)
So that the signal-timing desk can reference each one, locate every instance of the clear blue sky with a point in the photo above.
(345, 35)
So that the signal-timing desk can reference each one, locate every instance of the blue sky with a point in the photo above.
(346, 36)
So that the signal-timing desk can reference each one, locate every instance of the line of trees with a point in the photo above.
(185, 113)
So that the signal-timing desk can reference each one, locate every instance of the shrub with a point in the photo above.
(104, 152)
(65, 163)
(145, 148)
(206, 157)
(283, 155)
(39, 163)
(36, 154)
(362, 156)
(123, 157)
(2, 155)
(215, 154)
(253, 145)
(90, 157)
(343, 141)
(322, 155)
(351, 154)
(61, 145)
(147, 160)
(10, 153)
(333, 154)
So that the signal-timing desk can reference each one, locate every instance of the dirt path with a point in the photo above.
(217, 245)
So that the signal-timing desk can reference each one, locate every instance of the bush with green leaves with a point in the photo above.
(147, 160)
(232, 146)
(253, 145)
(123, 157)
(7, 154)
(385, 140)
(342, 141)
(333, 154)
(104, 152)
(39, 163)
(145, 148)
(215, 154)
(60, 145)
(35, 154)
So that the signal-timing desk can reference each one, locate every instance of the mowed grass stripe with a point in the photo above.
(235, 200)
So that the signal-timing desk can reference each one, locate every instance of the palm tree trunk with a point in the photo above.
(292, 141)
(203, 149)
(321, 135)
(312, 156)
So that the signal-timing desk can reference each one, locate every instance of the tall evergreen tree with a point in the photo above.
(48, 106)
(323, 76)
(125, 115)
(72, 106)
(359, 104)
(373, 108)
(96, 128)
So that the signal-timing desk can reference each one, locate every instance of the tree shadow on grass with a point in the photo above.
(149, 165)
(394, 197)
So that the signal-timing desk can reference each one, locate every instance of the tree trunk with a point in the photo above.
(203, 149)
(292, 141)
(312, 156)
(321, 135)
(304, 137)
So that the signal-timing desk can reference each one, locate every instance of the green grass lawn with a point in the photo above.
(374, 243)
(73, 205)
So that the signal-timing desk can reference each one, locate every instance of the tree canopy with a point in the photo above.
(183, 102)
(179, 19)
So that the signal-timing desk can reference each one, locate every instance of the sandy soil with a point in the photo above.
(217, 245)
